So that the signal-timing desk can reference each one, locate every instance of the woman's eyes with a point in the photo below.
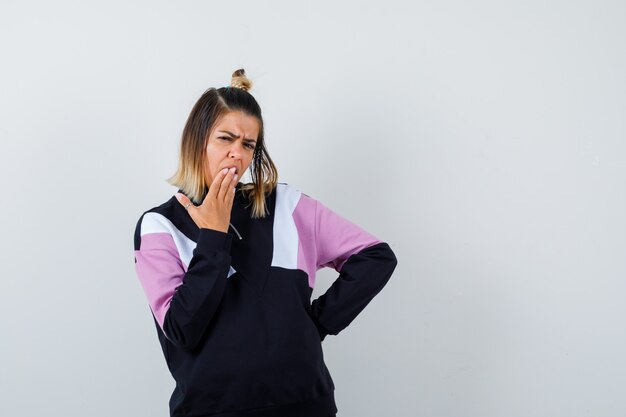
(249, 145)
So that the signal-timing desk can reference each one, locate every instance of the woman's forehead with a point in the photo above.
(235, 122)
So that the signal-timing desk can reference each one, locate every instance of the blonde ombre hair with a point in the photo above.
(210, 107)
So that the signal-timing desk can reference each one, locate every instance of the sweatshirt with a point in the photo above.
(233, 311)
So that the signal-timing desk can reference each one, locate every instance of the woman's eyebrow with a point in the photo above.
(237, 136)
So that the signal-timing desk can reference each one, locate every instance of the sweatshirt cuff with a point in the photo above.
(214, 240)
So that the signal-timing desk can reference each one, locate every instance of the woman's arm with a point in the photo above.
(183, 302)
(364, 262)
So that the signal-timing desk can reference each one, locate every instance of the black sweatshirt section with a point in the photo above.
(196, 299)
(362, 276)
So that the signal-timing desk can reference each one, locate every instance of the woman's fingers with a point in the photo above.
(233, 185)
(215, 185)
(226, 185)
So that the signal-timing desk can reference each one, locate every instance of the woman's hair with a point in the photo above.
(210, 107)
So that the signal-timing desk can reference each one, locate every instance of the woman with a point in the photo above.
(229, 268)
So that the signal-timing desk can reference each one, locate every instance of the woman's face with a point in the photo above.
(231, 143)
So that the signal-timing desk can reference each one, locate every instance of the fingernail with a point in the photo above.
(224, 171)
(236, 176)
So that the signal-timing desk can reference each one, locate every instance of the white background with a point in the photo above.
(484, 141)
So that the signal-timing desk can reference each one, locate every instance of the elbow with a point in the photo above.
(379, 259)
(390, 261)
(388, 257)
(393, 261)
(382, 262)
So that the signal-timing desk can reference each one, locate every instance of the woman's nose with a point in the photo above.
(236, 150)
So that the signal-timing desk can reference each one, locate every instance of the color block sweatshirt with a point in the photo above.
(233, 311)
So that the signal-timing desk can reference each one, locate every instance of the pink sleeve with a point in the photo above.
(160, 271)
(337, 238)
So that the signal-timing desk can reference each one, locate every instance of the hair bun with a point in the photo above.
(239, 80)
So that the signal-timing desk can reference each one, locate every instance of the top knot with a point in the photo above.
(239, 80)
